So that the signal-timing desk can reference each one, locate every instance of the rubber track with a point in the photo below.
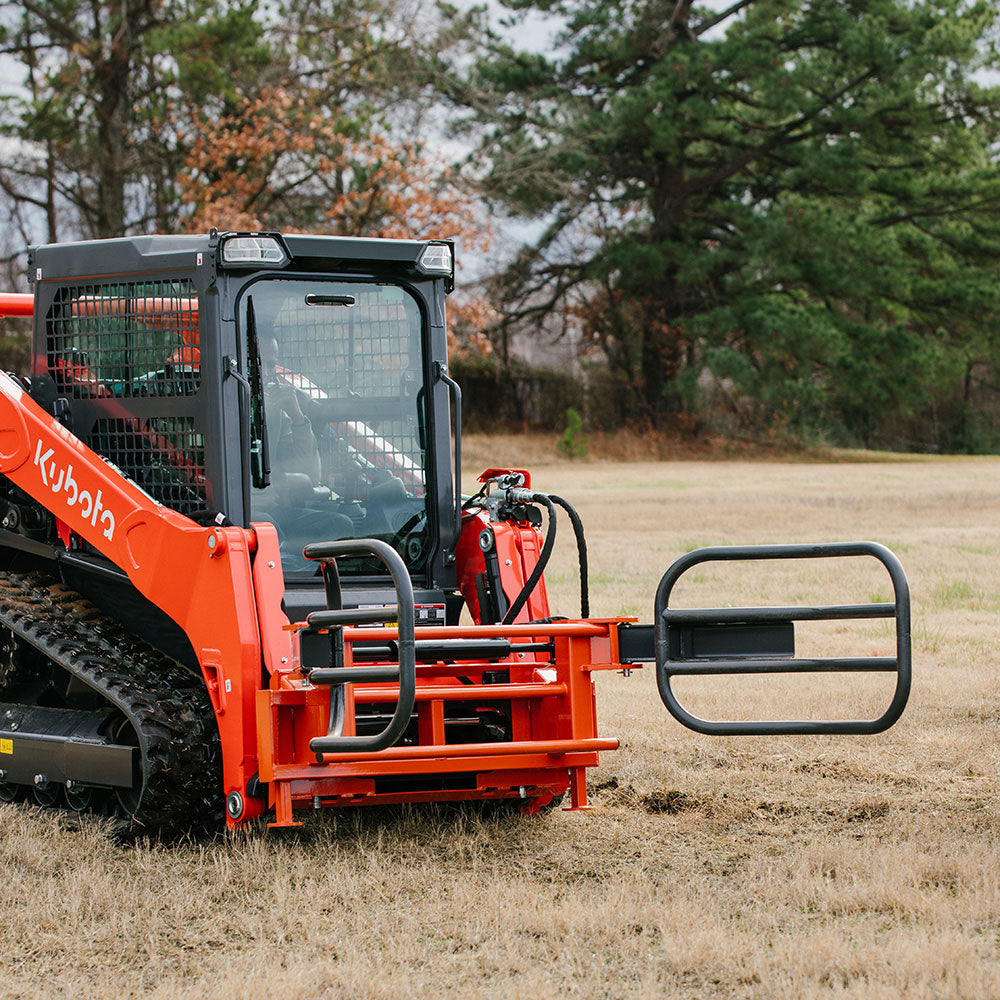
(166, 704)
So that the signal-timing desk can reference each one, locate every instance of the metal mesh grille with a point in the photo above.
(125, 339)
(360, 350)
(367, 351)
(163, 455)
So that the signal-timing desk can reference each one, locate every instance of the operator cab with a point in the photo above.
(256, 377)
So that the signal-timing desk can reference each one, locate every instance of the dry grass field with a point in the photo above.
(761, 868)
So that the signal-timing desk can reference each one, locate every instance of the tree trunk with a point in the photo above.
(113, 117)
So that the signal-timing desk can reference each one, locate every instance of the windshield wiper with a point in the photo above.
(260, 458)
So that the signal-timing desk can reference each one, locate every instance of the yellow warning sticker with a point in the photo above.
(6, 746)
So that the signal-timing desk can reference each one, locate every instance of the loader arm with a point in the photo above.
(201, 577)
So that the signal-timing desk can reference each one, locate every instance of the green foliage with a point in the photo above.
(105, 100)
(15, 347)
(573, 443)
(798, 196)
(98, 112)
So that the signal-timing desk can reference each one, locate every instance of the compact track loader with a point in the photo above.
(234, 554)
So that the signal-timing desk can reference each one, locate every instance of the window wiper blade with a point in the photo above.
(260, 458)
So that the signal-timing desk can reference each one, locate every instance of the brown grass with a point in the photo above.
(763, 868)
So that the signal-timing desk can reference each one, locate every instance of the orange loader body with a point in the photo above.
(298, 672)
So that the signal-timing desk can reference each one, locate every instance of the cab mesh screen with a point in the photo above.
(367, 352)
(125, 339)
(163, 455)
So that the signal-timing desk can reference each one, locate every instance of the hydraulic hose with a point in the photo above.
(543, 558)
(581, 548)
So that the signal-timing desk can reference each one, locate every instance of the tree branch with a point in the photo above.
(58, 27)
(786, 135)
(719, 18)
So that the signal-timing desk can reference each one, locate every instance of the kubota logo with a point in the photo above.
(61, 481)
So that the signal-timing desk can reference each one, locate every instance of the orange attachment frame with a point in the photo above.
(553, 726)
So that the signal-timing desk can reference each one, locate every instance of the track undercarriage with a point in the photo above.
(94, 718)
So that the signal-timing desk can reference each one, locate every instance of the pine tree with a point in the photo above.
(800, 196)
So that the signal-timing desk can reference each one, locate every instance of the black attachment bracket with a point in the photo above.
(338, 675)
(707, 641)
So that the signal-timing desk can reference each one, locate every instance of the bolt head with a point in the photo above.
(234, 805)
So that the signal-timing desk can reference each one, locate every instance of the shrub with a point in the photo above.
(573, 443)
